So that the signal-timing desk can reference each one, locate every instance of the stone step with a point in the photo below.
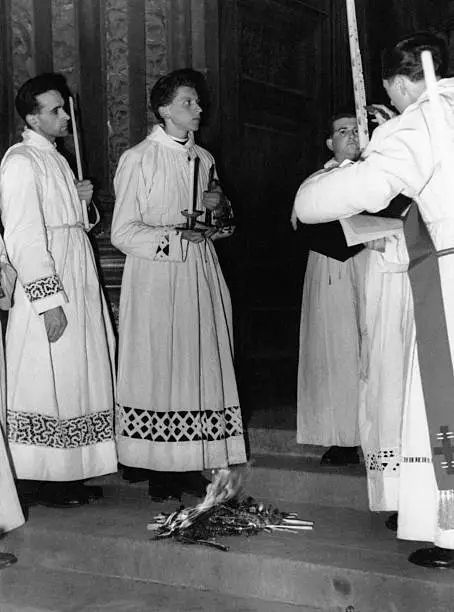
(30, 588)
(271, 440)
(297, 479)
(277, 477)
(350, 561)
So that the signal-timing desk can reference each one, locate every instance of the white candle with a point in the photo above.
(357, 75)
(78, 159)
(191, 184)
(435, 104)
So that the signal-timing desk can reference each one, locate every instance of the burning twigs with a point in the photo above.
(222, 514)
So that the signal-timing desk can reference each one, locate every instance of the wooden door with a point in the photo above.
(273, 106)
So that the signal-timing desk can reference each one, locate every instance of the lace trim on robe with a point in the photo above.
(43, 287)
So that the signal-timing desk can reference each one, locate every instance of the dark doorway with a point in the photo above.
(273, 107)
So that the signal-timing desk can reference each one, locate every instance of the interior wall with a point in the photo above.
(388, 21)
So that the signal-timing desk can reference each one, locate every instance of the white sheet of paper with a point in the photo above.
(364, 228)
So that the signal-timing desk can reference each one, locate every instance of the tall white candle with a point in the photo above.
(78, 160)
(191, 184)
(357, 75)
(435, 104)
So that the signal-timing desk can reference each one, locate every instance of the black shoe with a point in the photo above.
(194, 483)
(162, 494)
(133, 474)
(62, 495)
(391, 522)
(440, 558)
(87, 493)
(7, 559)
(28, 492)
(164, 486)
(337, 456)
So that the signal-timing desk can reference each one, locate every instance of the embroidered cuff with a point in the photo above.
(45, 293)
(169, 247)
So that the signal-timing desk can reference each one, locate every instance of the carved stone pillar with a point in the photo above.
(42, 30)
(137, 71)
(6, 92)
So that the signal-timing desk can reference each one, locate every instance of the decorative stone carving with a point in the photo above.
(21, 49)
(117, 75)
(64, 42)
(156, 20)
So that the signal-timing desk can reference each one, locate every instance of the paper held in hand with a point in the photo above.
(365, 228)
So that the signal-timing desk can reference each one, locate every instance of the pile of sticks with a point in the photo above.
(232, 517)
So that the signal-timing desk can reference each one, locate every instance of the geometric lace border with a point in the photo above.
(181, 426)
(383, 460)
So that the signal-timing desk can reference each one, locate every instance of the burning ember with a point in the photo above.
(222, 513)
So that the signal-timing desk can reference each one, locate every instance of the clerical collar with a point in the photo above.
(181, 141)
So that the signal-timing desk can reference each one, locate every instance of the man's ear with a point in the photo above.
(329, 143)
(401, 83)
(164, 111)
(32, 120)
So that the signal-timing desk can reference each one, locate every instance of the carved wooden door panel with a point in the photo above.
(273, 110)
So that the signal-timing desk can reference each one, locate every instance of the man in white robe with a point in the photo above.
(331, 318)
(403, 158)
(59, 341)
(178, 406)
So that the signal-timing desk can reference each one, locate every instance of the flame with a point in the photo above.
(227, 483)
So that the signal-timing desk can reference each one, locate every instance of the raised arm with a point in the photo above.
(398, 163)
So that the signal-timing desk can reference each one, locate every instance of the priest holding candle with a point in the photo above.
(178, 411)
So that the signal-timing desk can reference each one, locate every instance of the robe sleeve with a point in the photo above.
(129, 233)
(26, 236)
(398, 163)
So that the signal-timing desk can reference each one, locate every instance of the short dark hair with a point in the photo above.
(164, 90)
(339, 115)
(404, 57)
(26, 102)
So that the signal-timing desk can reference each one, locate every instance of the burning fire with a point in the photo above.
(220, 513)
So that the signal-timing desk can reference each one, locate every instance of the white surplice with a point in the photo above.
(329, 353)
(59, 395)
(388, 306)
(178, 407)
(402, 158)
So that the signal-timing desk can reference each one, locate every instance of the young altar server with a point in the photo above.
(405, 157)
(178, 407)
